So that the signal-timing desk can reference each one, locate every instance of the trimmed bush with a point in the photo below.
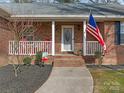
(27, 61)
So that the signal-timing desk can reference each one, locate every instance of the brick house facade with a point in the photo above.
(51, 29)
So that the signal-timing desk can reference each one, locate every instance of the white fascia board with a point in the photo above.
(48, 16)
(65, 16)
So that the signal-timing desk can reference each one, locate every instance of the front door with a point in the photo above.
(67, 38)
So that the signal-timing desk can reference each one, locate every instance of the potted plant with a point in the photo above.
(38, 58)
(98, 58)
(79, 52)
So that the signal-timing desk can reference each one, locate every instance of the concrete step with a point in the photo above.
(69, 64)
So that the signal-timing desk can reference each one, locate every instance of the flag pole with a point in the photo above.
(85, 35)
(90, 11)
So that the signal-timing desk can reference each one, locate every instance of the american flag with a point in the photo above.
(93, 29)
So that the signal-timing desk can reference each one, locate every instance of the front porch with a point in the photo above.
(61, 40)
(57, 38)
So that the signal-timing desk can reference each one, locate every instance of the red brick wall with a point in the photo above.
(43, 31)
(109, 32)
(115, 53)
(5, 36)
(120, 54)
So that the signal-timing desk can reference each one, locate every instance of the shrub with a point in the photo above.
(38, 58)
(98, 54)
(27, 61)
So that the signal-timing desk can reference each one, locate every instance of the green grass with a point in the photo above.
(108, 81)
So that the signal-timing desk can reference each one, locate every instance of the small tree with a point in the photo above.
(17, 27)
(99, 57)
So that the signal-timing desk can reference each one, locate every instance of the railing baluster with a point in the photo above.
(29, 47)
(92, 47)
(38, 46)
(43, 46)
(25, 45)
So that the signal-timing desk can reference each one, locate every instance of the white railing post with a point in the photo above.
(84, 37)
(53, 38)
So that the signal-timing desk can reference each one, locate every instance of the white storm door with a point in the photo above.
(67, 38)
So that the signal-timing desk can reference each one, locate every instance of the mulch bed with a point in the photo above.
(28, 81)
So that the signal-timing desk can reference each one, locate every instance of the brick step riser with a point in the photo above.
(71, 61)
(67, 61)
(89, 59)
(68, 57)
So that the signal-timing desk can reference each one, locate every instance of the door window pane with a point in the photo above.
(67, 36)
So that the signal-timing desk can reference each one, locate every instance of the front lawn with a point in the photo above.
(108, 81)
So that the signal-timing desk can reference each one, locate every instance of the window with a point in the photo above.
(28, 34)
(122, 33)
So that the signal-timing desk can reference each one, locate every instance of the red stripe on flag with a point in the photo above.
(93, 35)
(90, 28)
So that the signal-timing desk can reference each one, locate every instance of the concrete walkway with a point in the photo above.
(68, 80)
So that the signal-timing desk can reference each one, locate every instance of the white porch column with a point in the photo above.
(53, 38)
(84, 37)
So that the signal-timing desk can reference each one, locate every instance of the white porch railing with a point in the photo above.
(29, 47)
(92, 47)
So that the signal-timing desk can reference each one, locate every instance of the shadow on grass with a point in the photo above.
(117, 68)
(107, 67)
(28, 81)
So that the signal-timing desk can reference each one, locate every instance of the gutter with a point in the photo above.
(65, 16)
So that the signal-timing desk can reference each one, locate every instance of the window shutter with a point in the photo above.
(117, 32)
